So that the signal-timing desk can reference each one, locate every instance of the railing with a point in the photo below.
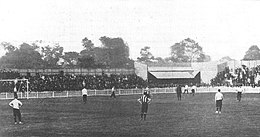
(76, 71)
(107, 92)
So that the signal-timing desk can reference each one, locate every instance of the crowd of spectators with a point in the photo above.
(8, 74)
(162, 85)
(69, 82)
(241, 76)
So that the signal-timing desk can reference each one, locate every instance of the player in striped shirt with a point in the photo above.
(16, 104)
(144, 100)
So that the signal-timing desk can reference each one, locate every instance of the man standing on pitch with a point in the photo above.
(15, 90)
(113, 94)
(239, 93)
(149, 95)
(16, 104)
(218, 99)
(84, 95)
(186, 89)
(178, 91)
(193, 90)
(144, 100)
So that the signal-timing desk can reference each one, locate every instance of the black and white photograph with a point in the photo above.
(129, 68)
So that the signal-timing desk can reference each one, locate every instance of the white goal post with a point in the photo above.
(17, 80)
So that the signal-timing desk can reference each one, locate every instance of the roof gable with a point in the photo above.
(172, 74)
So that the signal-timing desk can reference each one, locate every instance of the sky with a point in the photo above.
(221, 27)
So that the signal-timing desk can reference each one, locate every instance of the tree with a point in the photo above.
(86, 62)
(24, 57)
(88, 47)
(146, 55)
(187, 51)
(87, 55)
(52, 55)
(160, 60)
(207, 58)
(87, 44)
(71, 59)
(114, 53)
(204, 58)
(8, 47)
(225, 59)
(178, 53)
(253, 53)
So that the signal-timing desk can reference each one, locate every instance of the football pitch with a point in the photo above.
(193, 116)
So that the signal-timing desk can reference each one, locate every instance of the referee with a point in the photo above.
(144, 100)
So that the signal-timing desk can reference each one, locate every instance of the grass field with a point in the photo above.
(194, 116)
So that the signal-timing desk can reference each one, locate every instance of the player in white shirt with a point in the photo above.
(193, 90)
(84, 95)
(186, 89)
(16, 104)
(218, 98)
(15, 89)
(113, 94)
(239, 93)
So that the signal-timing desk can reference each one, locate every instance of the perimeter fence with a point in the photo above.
(119, 92)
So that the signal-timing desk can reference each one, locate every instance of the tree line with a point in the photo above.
(113, 53)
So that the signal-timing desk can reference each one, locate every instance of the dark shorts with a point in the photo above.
(84, 97)
(113, 94)
(144, 108)
(239, 94)
(15, 95)
(193, 90)
(178, 94)
(218, 103)
(17, 114)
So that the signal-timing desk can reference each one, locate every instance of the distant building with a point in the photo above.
(170, 73)
(185, 73)
(173, 75)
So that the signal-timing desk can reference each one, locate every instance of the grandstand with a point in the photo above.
(173, 75)
(234, 73)
(186, 73)
(194, 115)
(34, 72)
(199, 72)
(206, 70)
(162, 75)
